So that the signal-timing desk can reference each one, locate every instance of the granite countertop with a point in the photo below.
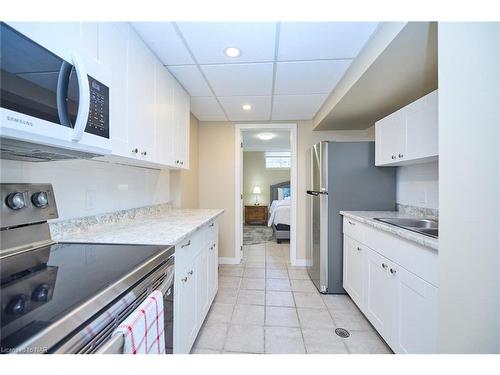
(367, 217)
(149, 225)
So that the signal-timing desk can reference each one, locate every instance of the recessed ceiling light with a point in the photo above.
(246, 107)
(232, 52)
(266, 136)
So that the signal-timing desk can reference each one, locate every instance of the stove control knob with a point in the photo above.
(16, 306)
(40, 199)
(41, 293)
(16, 201)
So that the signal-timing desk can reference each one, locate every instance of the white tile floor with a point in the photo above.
(265, 305)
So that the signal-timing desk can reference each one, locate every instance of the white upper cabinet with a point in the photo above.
(63, 38)
(180, 144)
(164, 108)
(113, 52)
(149, 110)
(141, 99)
(410, 135)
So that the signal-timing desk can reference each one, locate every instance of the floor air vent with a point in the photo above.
(344, 333)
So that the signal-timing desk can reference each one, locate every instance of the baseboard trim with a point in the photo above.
(229, 260)
(299, 262)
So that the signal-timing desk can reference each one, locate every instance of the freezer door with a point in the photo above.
(317, 266)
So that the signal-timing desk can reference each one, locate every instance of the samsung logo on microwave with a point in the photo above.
(19, 121)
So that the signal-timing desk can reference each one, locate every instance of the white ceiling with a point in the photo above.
(280, 142)
(285, 70)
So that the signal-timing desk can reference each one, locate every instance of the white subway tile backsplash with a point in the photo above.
(86, 187)
(417, 185)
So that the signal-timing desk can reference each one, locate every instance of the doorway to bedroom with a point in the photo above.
(266, 201)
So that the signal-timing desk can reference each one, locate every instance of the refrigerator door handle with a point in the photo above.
(316, 193)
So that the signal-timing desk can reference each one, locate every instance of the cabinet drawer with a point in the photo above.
(187, 249)
(354, 229)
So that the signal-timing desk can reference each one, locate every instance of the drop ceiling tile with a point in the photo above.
(207, 109)
(309, 77)
(208, 40)
(261, 107)
(240, 79)
(190, 77)
(163, 40)
(297, 107)
(323, 40)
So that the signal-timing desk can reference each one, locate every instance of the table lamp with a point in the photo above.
(256, 191)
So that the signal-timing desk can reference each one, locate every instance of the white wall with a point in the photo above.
(418, 185)
(469, 188)
(84, 188)
(255, 173)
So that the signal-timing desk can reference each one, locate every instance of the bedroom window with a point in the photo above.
(280, 159)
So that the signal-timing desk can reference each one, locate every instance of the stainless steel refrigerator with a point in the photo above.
(343, 177)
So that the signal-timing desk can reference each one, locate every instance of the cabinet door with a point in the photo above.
(354, 270)
(164, 115)
(188, 309)
(213, 260)
(180, 139)
(113, 50)
(141, 95)
(63, 38)
(202, 284)
(380, 294)
(390, 140)
(422, 128)
(416, 320)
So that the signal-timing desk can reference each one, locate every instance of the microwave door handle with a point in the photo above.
(84, 98)
(62, 93)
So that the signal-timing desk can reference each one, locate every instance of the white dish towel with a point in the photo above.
(143, 330)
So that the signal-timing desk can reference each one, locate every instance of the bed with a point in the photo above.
(279, 211)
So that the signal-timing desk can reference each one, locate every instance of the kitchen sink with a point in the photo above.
(428, 227)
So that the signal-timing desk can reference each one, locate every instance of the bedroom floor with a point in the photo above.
(266, 305)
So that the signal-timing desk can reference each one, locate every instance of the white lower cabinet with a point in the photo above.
(354, 269)
(380, 294)
(417, 314)
(400, 304)
(196, 275)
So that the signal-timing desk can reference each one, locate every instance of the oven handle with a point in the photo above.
(115, 344)
(84, 98)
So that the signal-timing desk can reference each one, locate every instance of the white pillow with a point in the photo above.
(280, 194)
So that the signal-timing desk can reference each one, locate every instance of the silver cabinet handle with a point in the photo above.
(393, 271)
(190, 273)
(186, 244)
(384, 266)
(393, 157)
(400, 156)
(359, 249)
(350, 222)
(184, 279)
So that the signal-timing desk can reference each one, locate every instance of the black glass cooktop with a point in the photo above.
(40, 286)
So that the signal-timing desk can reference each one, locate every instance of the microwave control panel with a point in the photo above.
(98, 122)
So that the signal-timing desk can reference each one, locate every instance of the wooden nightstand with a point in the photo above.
(256, 215)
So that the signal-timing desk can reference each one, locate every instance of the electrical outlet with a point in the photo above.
(90, 199)
(422, 197)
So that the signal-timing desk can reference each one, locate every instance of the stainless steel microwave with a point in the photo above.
(49, 101)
